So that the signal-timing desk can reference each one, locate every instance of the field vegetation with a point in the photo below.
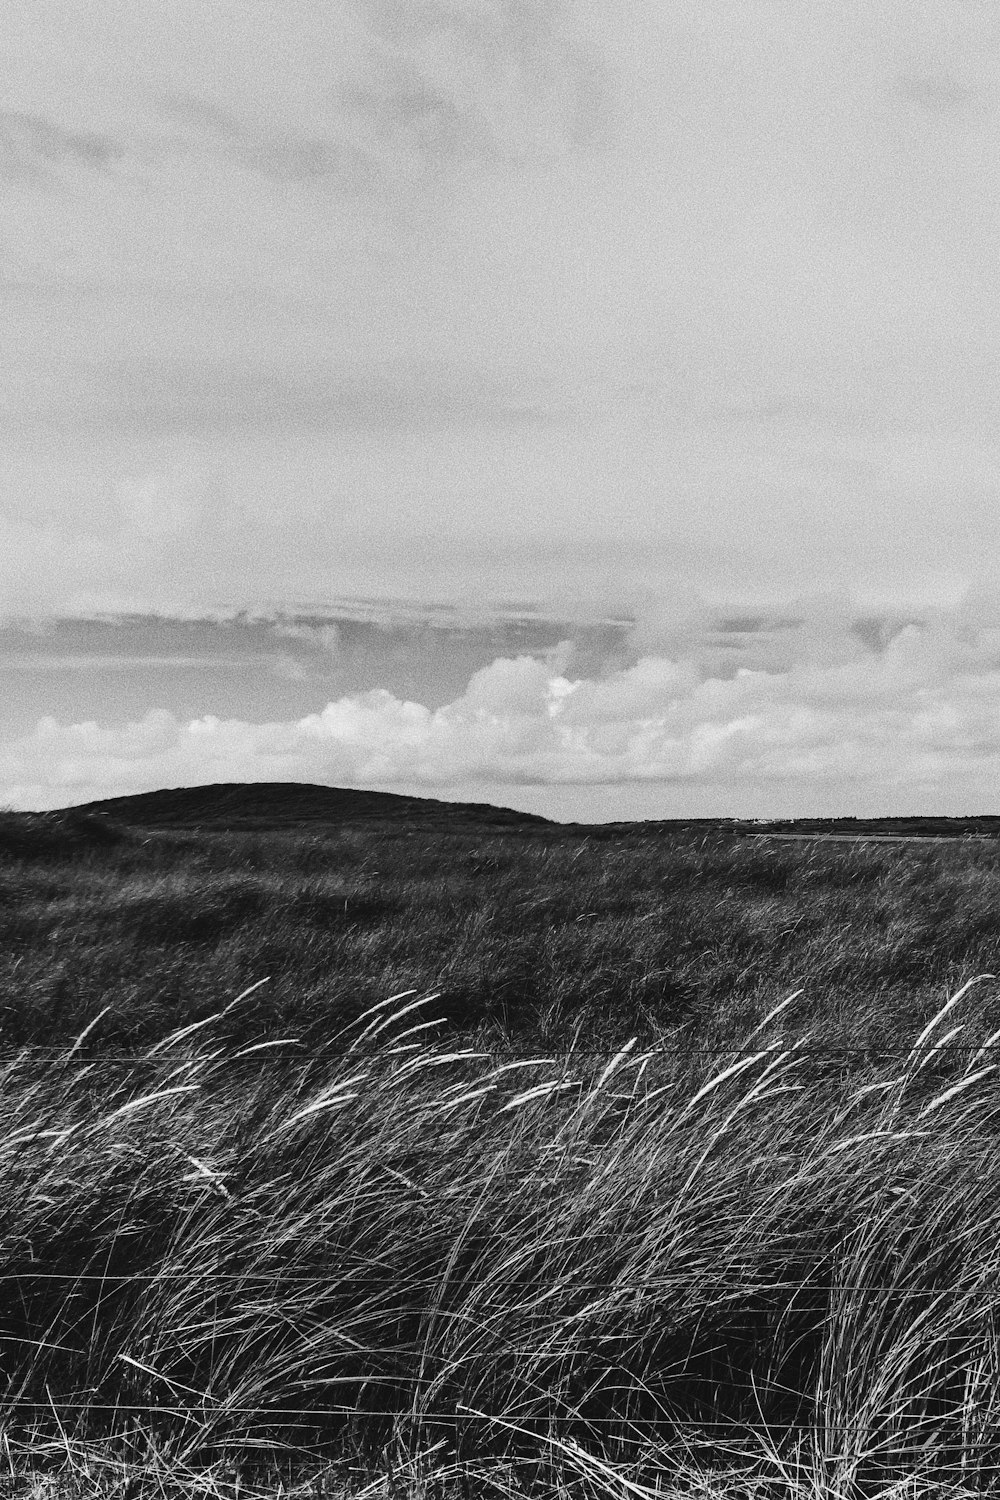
(394, 1157)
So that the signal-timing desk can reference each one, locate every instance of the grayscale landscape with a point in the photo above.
(499, 749)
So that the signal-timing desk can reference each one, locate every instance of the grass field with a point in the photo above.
(428, 1156)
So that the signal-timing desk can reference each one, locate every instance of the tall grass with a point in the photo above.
(397, 1266)
(532, 940)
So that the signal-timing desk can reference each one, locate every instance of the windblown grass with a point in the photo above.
(530, 939)
(58, 835)
(400, 1266)
(617, 1226)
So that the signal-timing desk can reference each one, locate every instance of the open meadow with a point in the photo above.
(399, 1156)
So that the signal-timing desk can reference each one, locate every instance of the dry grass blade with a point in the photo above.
(946, 1009)
(733, 1071)
(87, 1030)
(955, 1089)
(539, 1092)
(132, 1106)
(773, 1014)
(176, 1037)
(618, 1058)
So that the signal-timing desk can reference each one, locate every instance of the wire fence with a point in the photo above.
(270, 1277)
(825, 1053)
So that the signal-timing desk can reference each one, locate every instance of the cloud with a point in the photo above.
(33, 146)
(918, 720)
(191, 395)
(199, 127)
(326, 638)
(419, 89)
(941, 94)
(413, 117)
(475, 83)
(198, 114)
(768, 310)
(78, 662)
(303, 159)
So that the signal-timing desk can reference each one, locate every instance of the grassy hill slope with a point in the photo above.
(279, 804)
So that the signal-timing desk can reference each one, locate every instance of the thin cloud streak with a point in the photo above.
(33, 147)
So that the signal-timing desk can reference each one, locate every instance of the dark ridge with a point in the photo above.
(984, 826)
(264, 805)
(979, 826)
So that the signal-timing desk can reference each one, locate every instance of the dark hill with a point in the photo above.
(263, 805)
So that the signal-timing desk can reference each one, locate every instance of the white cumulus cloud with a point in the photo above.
(918, 722)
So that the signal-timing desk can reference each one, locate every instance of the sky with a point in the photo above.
(591, 408)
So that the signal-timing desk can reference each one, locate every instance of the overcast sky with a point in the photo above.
(562, 302)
